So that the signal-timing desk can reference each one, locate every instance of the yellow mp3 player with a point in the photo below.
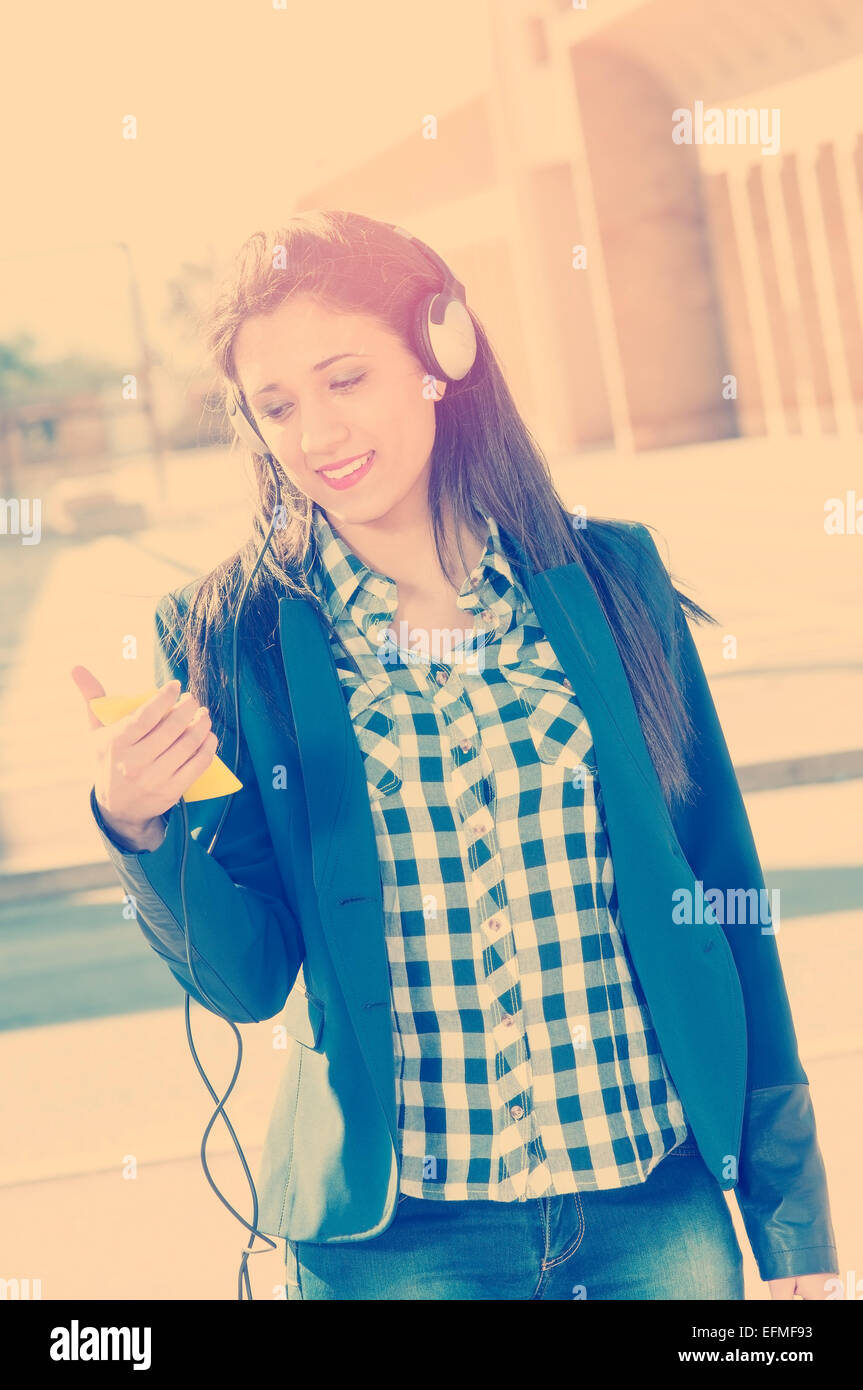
(218, 780)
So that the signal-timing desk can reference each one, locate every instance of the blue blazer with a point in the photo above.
(286, 918)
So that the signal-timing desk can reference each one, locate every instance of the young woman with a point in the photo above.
(481, 772)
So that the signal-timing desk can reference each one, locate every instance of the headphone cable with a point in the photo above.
(243, 1280)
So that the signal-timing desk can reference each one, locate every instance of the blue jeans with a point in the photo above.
(669, 1237)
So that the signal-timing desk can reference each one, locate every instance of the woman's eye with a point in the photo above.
(352, 381)
(277, 412)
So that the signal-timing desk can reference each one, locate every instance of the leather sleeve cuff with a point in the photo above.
(147, 876)
(813, 1259)
(782, 1185)
(112, 843)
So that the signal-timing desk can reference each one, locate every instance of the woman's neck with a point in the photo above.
(407, 553)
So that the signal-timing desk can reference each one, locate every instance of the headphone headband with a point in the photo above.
(451, 285)
(444, 335)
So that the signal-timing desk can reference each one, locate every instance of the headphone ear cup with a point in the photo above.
(450, 343)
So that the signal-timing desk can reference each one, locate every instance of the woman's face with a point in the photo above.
(320, 416)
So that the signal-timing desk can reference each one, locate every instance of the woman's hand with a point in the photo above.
(148, 759)
(804, 1285)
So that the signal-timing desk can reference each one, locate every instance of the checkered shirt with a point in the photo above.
(526, 1062)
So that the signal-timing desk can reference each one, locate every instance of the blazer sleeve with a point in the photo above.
(246, 943)
(781, 1185)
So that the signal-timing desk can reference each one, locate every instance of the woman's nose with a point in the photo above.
(321, 430)
(319, 437)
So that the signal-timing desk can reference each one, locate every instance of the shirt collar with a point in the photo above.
(344, 582)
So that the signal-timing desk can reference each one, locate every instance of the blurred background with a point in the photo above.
(681, 322)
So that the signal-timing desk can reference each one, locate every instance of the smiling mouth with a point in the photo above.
(346, 469)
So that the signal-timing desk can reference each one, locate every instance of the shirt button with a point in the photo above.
(487, 617)
(442, 677)
(465, 747)
(493, 925)
(567, 682)
(476, 576)
(507, 1021)
(516, 1111)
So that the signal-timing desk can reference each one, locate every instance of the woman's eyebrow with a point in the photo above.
(318, 367)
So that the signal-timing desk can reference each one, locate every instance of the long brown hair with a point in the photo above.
(484, 463)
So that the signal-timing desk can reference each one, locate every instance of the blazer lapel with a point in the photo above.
(566, 604)
(343, 846)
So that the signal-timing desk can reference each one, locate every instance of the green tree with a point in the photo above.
(16, 368)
